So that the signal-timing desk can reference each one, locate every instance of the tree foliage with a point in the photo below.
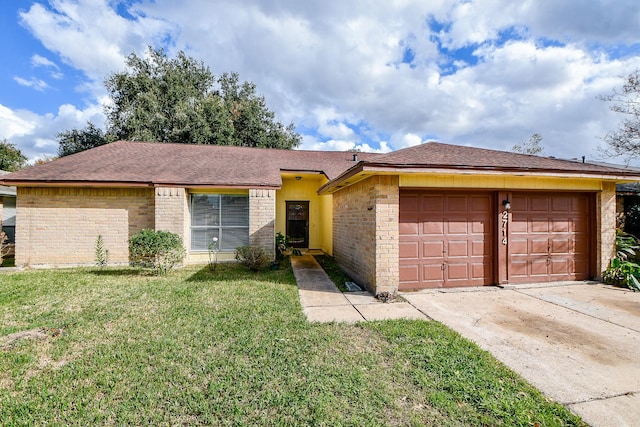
(11, 158)
(75, 141)
(532, 146)
(180, 100)
(625, 141)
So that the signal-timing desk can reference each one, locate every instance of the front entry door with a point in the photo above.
(298, 224)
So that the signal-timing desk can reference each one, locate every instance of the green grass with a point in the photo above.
(119, 346)
(333, 270)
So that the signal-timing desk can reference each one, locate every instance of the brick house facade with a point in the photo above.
(352, 207)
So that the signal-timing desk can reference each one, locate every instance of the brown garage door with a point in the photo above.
(445, 240)
(549, 237)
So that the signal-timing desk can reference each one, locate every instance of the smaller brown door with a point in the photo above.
(298, 223)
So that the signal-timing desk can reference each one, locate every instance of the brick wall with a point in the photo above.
(172, 212)
(365, 232)
(59, 226)
(262, 216)
(606, 232)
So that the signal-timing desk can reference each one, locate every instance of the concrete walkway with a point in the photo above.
(322, 301)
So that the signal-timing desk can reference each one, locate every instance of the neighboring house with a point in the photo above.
(8, 213)
(629, 207)
(433, 215)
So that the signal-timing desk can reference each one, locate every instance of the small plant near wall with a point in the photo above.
(213, 254)
(3, 246)
(283, 247)
(158, 250)
(252, 257)
(101, 254)
(623, 271)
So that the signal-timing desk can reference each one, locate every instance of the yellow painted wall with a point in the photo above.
(320, 208)
(512, 182)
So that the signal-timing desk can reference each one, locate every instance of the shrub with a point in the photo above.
(252, 257)
(622, 271)
(158, 250)
(102, 254)
(3, 246)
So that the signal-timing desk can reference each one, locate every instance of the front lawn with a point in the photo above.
(118, 347)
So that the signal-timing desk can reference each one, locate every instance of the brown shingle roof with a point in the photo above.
(436, 154)
(149, 163)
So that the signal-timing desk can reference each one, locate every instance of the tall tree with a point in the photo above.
(179, 100)
(74, 141)
(625, 141)
(530, 147)
(11, 158)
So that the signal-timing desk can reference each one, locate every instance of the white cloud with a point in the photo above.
(336, 68)
(36, 134)
(37, 84)
(41, 61)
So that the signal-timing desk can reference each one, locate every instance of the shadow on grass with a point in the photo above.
(124, 272)
(225, 272)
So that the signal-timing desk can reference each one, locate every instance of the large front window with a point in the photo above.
(224, 216)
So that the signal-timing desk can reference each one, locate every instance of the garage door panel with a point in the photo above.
(558, 237)
(539, 225)
(539, 266)
(458, 248)
(457, 227)
(432, 272)
(519, 246)
(561, 246)
(480, 248)
(538, 204)
(561, 266)
(458, 271)
(432, 204)
(432, 249)
(409, 273)
(560, 226)
(457, 204)
(455, 235)
(409, 250)
(433, 228)
(408, 227)
(410, 203)
(538, 246)
(561, 204)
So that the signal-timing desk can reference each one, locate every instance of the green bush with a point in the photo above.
(158, 250)
(252, 257)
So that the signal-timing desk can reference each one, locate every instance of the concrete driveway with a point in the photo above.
(578, 342)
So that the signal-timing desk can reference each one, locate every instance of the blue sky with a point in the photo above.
(372, 75)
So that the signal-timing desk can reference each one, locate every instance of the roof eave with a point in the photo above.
(622, 177)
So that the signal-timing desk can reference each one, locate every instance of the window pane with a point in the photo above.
(200, 238)
(235, 211)
(234, 237)
(205, 210)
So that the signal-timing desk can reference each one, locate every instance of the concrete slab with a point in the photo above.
(361, 298)
(322, 298)
(616, 305)
(571, 356)
(613, 412)
(396, 310)
(314, 280)
(341, 313)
